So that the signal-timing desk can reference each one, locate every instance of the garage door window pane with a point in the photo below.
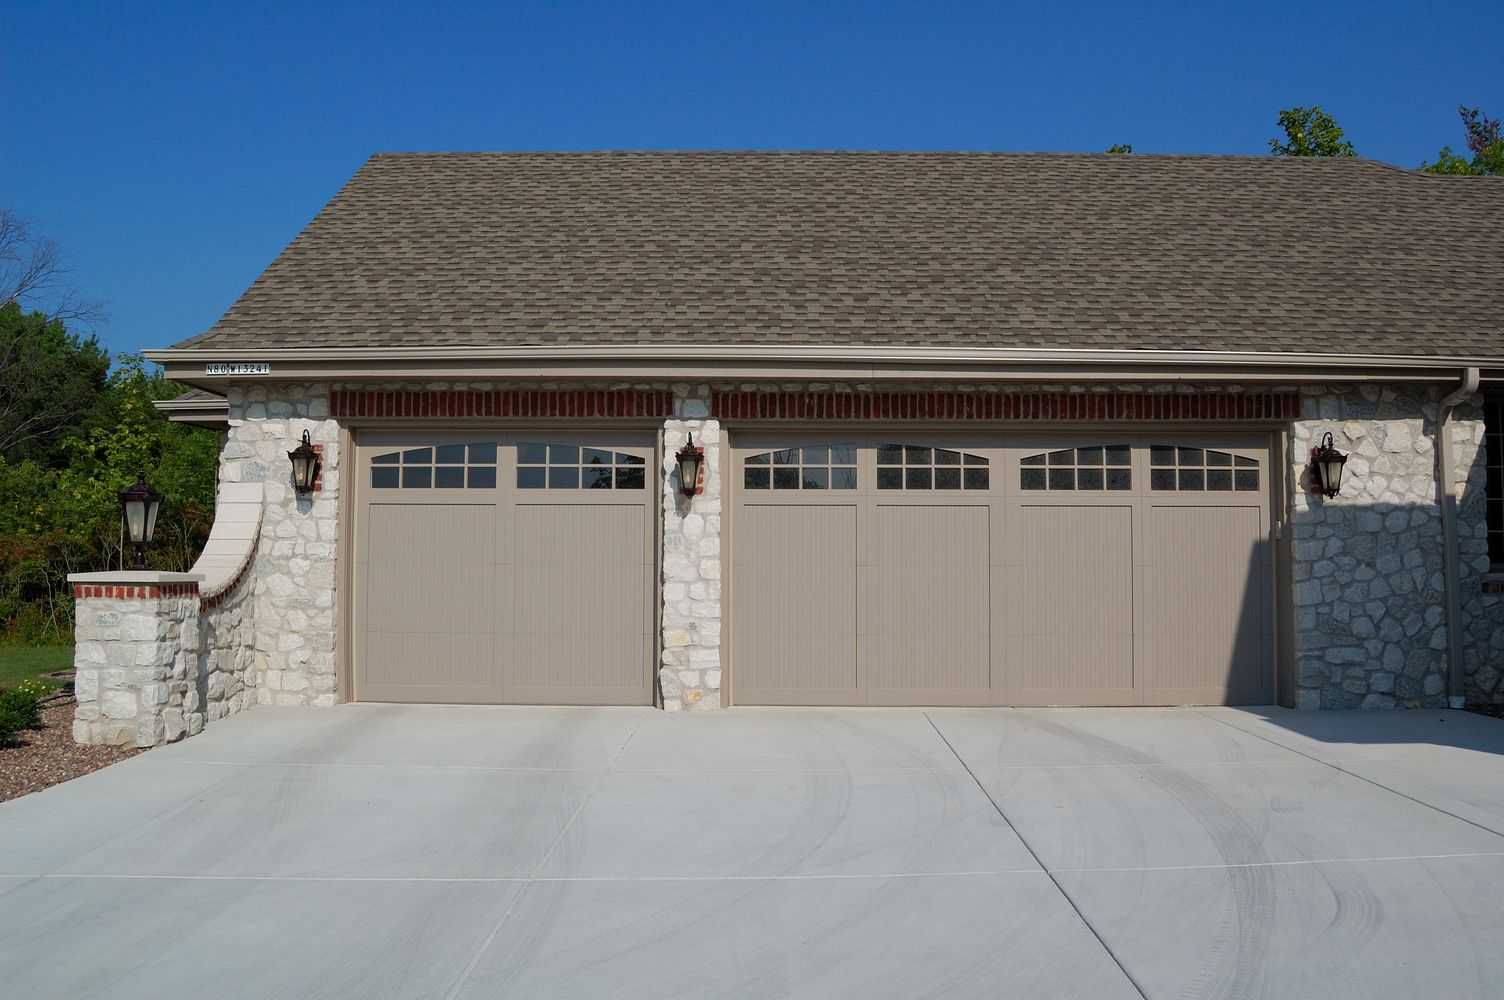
(443, 467)
(573, 467)
(1199, 470)
(1093, 467)
(813, 467)
(926, 468)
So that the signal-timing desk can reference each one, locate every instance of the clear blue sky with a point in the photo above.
(175, 149)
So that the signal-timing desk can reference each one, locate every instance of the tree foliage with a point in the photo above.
(49, 379)
(1484, 140)
(1121, 147)
(1310, 132)
(59, 488)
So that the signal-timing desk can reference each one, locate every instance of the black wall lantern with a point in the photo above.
(305, 466)
(139, 506)
(1327, 462)
(689, 458)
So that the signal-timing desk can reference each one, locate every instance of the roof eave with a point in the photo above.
(751, 361)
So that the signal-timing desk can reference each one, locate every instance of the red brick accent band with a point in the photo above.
(135, 592)
(503, 403)
(318, 471)
(1118, 406)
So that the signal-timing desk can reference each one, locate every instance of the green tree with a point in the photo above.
(1310, 132)
(1121, 147)
(49, 379)
(1484, 141)
(64, 516)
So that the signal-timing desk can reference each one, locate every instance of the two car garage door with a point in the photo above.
(1110, 570)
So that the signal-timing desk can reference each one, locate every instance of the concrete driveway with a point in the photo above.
(373, 851)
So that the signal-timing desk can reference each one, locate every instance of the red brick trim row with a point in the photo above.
(135, 592)
(318, 470)
(504, 403)
(1116, 406)
(208, 602)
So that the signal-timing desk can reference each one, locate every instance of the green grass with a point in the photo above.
(21, 663)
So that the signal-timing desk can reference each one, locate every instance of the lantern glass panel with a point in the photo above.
(152, 506)
(135, 519)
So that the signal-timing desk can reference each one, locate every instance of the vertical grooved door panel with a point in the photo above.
(925, 630)
(581, 605)
(795, 604)
(429, 595)
(1070, 609)
(1204, 616)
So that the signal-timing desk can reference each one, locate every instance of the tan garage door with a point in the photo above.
(976, 570)
(504, 568)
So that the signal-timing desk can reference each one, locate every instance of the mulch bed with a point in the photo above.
(46, 756)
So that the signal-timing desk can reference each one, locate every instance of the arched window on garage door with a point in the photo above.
(1196, 470)
(811, 467)
(1094, 467)
(543, 466)
(921, 467)
(441, 467)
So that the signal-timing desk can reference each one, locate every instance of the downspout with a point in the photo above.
(1450, 557)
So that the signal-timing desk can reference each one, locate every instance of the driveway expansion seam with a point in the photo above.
(1035, 855)
(1354, 774)
(489, 879)
(485, 946)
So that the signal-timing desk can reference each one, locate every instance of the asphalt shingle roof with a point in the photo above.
(889, 249)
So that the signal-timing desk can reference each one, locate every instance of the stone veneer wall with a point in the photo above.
(690, 674)
(1482, 612)
(1370, 613)
(135, 664)
(294, 574)
(227, 652)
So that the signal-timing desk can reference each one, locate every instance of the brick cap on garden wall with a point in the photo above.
(1005, 405)
(134, 583)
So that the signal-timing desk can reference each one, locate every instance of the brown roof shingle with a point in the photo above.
(889, 249)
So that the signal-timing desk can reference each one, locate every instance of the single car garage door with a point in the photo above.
(511, 568)
(982, 570)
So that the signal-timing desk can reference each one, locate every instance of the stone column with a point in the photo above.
(135, 657)
(690, 674)
(295, 559)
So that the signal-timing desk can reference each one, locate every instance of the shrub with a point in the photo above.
(21, 708)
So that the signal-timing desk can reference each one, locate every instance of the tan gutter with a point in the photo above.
(761, 362)
(1451, 558)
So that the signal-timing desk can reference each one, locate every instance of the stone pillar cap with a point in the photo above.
(135, 578)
